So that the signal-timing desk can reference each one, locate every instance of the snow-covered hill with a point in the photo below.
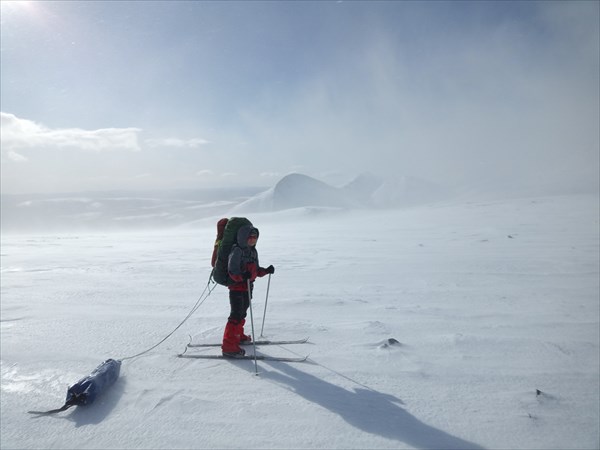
(294, 191)
(365, 191)
(113, 211)
(493, 304)
(407, 191)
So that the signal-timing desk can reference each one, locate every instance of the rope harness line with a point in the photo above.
(199, 303)
(85, 390)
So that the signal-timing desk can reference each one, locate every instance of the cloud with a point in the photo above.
(484, 102)
(16, 157)
(270, 175)
(18, 133)
(176, 142)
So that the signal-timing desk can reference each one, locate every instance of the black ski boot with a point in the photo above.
(237, 354)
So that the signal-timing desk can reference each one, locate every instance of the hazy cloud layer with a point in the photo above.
(508, 106)
(176, 142)
(489, 94)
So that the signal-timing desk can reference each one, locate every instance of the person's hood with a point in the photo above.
(243, 233)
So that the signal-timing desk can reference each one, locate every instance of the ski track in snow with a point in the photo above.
(470, 325)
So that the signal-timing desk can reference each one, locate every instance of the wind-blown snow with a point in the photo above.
(130, 211)
(489, 301)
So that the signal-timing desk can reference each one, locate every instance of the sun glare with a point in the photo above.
(13, 6)
(15, 11)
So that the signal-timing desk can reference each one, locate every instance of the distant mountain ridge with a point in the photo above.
(365, 191)
(155, 210)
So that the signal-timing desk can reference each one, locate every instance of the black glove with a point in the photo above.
(270, 269)
(246, 276)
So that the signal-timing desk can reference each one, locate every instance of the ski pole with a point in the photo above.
(252, 322)
(265, 313)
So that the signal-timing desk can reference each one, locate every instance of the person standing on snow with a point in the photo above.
(242, 266)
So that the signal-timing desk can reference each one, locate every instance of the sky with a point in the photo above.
(109, 95)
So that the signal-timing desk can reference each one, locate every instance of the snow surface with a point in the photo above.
(489, 301)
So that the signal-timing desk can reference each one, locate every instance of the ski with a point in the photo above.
(248, 357)
(267, 342)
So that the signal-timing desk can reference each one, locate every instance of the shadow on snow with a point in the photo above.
(366, 409)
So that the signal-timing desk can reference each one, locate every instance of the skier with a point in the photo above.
(242, 266)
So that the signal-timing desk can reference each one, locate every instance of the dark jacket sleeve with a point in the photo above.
(260, 271)
(234, 265)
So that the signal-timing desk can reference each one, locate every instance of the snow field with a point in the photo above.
(488, 301)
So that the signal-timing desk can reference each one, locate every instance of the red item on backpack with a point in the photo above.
(220, 231)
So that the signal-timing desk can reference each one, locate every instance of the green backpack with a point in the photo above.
(225, 243)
